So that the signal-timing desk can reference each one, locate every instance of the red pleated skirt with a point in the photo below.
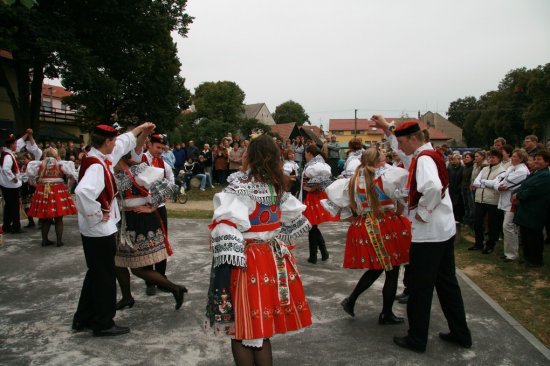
(260, 312)
(51, 202)
(315, 212)
(363, 248)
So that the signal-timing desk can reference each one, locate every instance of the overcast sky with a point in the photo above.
(387, 56)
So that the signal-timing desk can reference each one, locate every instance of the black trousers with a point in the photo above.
(494, 221)
(433, 265)
(96, 307)
(533, 244)
(11, 210)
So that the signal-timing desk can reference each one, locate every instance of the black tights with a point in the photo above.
(147, 273)
(251, 356)
(46, 223)
(388, 292)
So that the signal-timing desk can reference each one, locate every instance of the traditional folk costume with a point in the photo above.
(373, 242)
(149, 159)
(95, 195)
(317, 173)
(51, 198)
(291, 168)
(432, 249)
(255, 288)
(143, 240)
(10, 183)
(352, 162)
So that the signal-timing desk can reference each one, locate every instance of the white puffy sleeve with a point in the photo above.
(68, 168)
(293, 223)
(351, 167)
(318, 173)
(229, 221)
(32, 170)
(338, 201)
(394, 181)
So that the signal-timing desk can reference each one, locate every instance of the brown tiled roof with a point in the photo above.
(6, 54)
(55, 91)
(363, 124)
(284, 129)
(315, 129)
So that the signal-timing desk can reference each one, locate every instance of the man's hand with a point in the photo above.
(29, 131)
(146, 127)
(380, 121)
(105, 217)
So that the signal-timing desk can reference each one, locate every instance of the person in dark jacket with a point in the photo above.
(181, 156)
(192, 151)
(455, 171)
(532, 201)
(467, 193)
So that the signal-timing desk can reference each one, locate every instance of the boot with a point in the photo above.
(312, 249)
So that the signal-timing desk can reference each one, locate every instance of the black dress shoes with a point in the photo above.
(402, 295)
(348, 306)
(488, 250)
(451, 338)
(390, 319)
(115, 330)
(125, 303)
(475, 247)
(46, 243)
(179, 295)
(405, 342)
(312, 261)
(79, 327)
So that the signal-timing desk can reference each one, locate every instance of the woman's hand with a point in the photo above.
(144, 209)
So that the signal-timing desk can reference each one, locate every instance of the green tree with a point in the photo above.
(290, 111)
(459, 109)
(221, 100)
(117, 56)
(537, 114)
(247, 125)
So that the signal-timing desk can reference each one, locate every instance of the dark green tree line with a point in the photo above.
(520, 106)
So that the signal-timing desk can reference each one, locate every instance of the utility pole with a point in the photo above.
(356, 123)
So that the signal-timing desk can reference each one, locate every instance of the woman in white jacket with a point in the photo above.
(506, 184)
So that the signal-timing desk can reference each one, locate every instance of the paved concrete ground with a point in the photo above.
(39, 289)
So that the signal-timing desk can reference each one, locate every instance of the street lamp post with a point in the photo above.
(356, 123)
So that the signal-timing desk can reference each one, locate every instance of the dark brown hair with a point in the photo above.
(265, 163)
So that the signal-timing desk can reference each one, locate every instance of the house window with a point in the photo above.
(337, 132)
(47, 105)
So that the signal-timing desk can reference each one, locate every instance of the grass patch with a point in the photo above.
(523, 292)
(191, 214)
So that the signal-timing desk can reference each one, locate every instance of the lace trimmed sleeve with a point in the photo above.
(338, 198)
(293, 223)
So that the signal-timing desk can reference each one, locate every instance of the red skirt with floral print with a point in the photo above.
(268, 297)
(378, 243)
(51, 200)
(315, 212)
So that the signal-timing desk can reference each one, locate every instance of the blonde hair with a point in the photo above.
(51, 152)
(369, 160)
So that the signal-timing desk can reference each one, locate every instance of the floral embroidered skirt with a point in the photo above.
(50, 201)
(315, 212)
(268, 297)
(378, 243)
(145, 233)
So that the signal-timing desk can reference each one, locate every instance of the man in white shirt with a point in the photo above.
(10, 179)
(98, 214)
(432, 261)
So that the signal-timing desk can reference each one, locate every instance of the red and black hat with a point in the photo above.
(105, 131)
(10, 139)
(407, 128)
(157, 137)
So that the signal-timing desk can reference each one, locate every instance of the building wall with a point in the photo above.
(265, 117)
(345, 136)
(444, 125)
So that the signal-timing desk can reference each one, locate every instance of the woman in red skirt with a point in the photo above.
(316, 177)
(51, 199)
(378, 238)
(255, 289)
